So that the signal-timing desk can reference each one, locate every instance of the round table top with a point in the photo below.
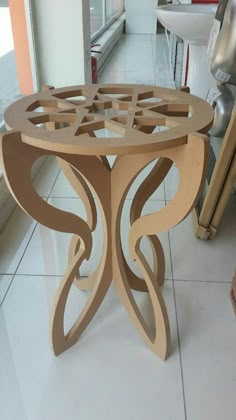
(109, 119)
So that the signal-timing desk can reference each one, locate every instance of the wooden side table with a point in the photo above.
(149, 123)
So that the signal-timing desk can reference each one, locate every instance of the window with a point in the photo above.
(9, 90)
(112, 7)
(96, 16)
(102, 13)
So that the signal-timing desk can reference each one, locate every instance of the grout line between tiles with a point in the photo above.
(166, 202)
(36, 224)
(23, 254)
(4, 296)
(53, 275)
(166, 279)
(180, 355)
(203, 281)
(16, 206)
(10, 215)
(127, 199)
(64, 197)
(42, 275)
(177, 326)
(53, 184)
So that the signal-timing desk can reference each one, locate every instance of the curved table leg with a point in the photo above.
(100, 280)
(146, 189)
(80, 186)
(18, 176)
(190, 169)
(59, 340)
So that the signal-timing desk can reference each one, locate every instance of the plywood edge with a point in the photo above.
(201, 232)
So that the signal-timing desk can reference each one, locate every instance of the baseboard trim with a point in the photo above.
(108, 41)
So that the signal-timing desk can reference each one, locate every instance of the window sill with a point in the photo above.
(108, 41)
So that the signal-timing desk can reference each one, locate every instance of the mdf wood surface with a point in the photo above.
(220, 186)
(130, 111)
(91, 171)
(225, 195)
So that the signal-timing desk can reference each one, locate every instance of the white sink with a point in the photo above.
(192, 22)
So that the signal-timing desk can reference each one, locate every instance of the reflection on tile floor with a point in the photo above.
(193, 259)
(208, 346)
(110, 362)
(109, 373)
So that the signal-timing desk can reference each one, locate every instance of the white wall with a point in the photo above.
(140, 16)
(62, 29)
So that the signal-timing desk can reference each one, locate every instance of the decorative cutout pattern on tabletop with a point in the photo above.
(142, 118)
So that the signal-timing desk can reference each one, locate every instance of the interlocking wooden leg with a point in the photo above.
(175, 211)
(146, 189)
(81, 188)
(59, 341)
(158, 341)
(18, 177)
(100, 281)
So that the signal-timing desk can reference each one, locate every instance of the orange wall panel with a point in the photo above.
(20, 36)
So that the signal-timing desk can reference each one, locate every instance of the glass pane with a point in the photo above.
(9, 89)
(112, 7)
(96, 15)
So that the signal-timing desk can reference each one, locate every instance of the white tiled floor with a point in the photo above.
(208, 347)
(109, 373)
(5, 281)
